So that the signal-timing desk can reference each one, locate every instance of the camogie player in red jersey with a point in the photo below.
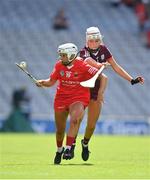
(71, 98)
(96, 53)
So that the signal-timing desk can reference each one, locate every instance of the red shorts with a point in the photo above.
(61, 104)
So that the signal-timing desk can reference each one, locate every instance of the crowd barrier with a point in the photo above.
(133, 127)
(120, 127)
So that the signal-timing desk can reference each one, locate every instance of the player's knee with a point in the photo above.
(74, 121)
(76, 117)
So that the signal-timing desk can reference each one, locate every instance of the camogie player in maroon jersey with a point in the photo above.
(71, 98)
(94, 53)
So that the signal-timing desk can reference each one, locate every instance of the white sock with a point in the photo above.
(68, 147)
(59, 149)
(85, 145)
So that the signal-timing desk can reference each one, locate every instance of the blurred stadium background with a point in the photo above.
(26, 33)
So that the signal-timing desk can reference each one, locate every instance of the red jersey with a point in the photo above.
(69, 89)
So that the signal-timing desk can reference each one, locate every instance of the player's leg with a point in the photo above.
(94, 110)
(74, 143)
(60, 122)
(76, 111)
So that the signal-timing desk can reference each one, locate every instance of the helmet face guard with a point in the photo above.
(93, 33)
(70, 50)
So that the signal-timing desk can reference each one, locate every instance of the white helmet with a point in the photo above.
(93, 33)
(70, 49)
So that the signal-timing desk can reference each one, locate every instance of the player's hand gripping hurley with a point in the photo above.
(91, 82)
(22, 66)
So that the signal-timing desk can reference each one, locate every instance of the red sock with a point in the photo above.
(69, 141)
(75, 140)
(59, 143)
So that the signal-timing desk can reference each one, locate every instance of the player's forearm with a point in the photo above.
(46, 82)
(93, 63)
(120, 71)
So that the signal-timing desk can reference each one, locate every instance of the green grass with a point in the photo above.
(30, 156)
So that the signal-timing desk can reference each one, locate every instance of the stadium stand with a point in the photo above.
(26, 33)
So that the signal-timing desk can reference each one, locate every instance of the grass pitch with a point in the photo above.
(30, 156)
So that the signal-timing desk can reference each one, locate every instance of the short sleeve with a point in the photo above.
(54, 74)
(107, 52)
(84, 53)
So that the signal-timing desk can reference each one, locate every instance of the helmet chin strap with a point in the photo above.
(93, 50)
(66, 63)
(69, 62)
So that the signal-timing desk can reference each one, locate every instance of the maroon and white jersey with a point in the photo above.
(102, 55)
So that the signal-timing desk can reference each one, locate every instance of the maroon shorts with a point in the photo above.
(94, 91)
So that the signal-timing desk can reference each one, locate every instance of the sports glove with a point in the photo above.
(136, 80)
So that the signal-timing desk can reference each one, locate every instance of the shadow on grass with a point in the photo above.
(74, 164)
(51, 164)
